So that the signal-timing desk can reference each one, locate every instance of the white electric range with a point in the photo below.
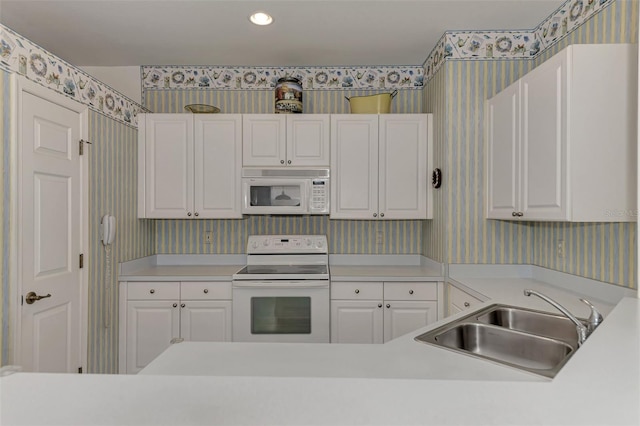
(282, 295)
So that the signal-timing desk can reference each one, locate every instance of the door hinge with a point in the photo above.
(79, 370)
(81, 148)
(81, 262)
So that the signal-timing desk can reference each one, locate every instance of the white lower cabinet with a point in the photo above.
(153, 314)
(376, 312)
(459, 300)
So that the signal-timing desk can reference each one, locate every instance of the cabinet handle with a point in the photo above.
(281, 161)
(514, 214)
(196, 214)
(388, 306)
(381, 214)
(466, 304)
(175, 305)
(206, 290)
(520, 214)
(189, 214)
(357, 291)
(410, 291)
(152, 291)
(289, 162)
(375, 215)
(182, 305)
(379, 305)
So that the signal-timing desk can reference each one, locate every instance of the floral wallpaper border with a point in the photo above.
(260, 78)
(19, 55)
(512, 44)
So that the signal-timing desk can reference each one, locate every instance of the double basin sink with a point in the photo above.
(534, 341)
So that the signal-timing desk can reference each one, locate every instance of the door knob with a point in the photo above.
(33, 297)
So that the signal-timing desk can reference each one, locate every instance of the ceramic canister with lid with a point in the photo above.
(288, 95)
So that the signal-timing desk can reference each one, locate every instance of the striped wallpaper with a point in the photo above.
(230, 236)
(4, 217)
(459, 233)
(113, 164)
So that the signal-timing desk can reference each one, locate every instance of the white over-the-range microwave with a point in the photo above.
(287, 191)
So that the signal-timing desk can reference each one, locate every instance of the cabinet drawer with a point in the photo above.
(205, 290)
(153, 290)
(461, 299)
(410, 291)
(354, 290)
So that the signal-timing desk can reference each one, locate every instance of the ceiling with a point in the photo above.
(218, 32)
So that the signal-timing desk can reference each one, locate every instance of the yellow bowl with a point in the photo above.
(371, 104)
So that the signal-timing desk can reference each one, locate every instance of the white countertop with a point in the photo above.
(401, 382)
(599, 386)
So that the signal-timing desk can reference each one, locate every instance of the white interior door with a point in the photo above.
(49, 236)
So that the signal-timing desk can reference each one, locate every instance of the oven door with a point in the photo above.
(281, 311)
(275, 196)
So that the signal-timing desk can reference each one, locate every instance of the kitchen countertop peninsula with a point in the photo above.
(399, 383)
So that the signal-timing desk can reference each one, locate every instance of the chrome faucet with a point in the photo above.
(583, 330)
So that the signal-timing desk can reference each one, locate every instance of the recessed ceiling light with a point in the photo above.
(261, 18)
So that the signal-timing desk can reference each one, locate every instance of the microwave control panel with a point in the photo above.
(319, 199)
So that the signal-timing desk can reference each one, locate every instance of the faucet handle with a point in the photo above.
(595, 318)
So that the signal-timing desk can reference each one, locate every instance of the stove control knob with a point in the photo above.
(265, 243)
(308, 242)
(319, 244)
(254, 244)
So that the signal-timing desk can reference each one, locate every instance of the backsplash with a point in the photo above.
(344, 236)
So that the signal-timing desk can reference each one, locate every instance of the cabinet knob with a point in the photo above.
(289, 162)
(375, 215)
(520, 214)
(152, 291)
(281, 161)
(357, 291)
(466, 304)
(379, 305)
(381, 214)
(196, 214)
(182, 305)
(189, 214)
(175, 305)
(514, 214)
(388, 306)
(206, 290)
(410, 291)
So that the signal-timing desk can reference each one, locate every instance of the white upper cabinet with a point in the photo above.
(189, 166)
(560, 141)
(379, 166)
(286, 140)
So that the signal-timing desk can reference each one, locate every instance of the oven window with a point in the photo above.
(280, 315)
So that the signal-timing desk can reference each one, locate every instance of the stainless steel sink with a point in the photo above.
(529, 340)
(530, 321)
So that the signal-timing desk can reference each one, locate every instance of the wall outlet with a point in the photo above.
(560, 249)
(208, 237)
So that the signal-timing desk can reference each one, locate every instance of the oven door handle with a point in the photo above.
(281, 284)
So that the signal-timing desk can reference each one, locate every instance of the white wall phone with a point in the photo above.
(108, 229)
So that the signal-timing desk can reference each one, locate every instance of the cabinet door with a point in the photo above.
(459, 300)
(150, 327)
(402, 317)
(264, 139)
(205, 321)
(218, 166)
(543, 141)
(356, 321)
(503, 140)
(354, 166)
(403, 166)
(308, 140)
(168, 165)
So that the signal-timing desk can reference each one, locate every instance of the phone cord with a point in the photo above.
(107, 288)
